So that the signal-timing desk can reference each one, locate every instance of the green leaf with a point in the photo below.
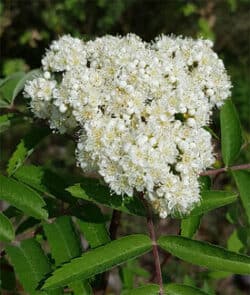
(150, 289)
(7, 232)
(26, 147)
(190, 225)
(231, 136)
(65, 245)
(233, 213)
(62, 239)
(22, 197)
(205, 254)
(234, 243)
(208, 287)
(218, 275)
(27, 77)
(127, 275)
(99, 260)
(91, 190)
(170, 289)
(210, 200)
(81, 288)
(244, 236)
(44, 180)
(95, 232)
(30, 263)
(7, 120)
(129, 271)
(7, 87)
(242, 179)
(187, 280)
(178, 289)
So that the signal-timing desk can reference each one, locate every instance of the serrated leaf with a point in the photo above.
(22, 197)
(64, 243)
(7, 87)
(210, 200)
(99, 260)
(92, 190)
(205, 254)
(190, 225)
(26, 147)
(170, 289)
(30, 263)
(7, 232)
(231, 136)
(27, 77)
(242, 179)
(95, 232)
(44, 180)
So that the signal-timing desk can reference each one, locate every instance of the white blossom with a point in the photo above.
(141, 109)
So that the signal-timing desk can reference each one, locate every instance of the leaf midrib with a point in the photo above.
(57, 227)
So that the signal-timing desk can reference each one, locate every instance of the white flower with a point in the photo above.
(141, 108)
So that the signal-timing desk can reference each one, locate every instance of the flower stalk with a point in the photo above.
(152, 235)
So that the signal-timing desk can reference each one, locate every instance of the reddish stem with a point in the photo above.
(224, 169)
(152, 235)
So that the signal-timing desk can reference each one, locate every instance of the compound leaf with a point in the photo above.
(62, 239)
(30, 263)
(99, 260)
(205, 254)
(22, 197)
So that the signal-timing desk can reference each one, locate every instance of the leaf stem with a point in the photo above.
(224, 169)
(152, 235)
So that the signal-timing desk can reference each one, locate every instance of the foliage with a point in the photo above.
(54, 222)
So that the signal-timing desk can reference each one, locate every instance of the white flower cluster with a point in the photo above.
(141, 109)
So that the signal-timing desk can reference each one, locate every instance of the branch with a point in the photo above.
(114, 224)
(151, 230)
(224, 169)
